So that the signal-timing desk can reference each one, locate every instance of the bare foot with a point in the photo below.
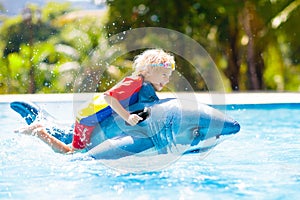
(29, 130)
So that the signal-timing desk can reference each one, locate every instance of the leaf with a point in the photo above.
(41, 51)
(16, 63)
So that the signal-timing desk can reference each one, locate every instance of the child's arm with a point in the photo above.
(132, 119)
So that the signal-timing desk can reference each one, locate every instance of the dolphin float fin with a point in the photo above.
(27, 110)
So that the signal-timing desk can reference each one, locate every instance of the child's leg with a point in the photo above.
(41, 132)
(120, 146)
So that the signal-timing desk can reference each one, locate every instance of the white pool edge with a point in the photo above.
(208, 98)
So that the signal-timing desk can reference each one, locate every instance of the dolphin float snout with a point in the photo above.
(237, 127)
(230, 127)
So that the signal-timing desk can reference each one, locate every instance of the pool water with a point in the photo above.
(261, 162)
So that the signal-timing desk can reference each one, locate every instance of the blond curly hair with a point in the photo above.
(152, 58)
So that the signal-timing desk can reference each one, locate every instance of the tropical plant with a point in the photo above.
(239, 35)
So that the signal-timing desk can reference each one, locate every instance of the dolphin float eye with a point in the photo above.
(196, 132)
(197, 137)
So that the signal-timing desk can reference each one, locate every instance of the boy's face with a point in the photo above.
(159, 77)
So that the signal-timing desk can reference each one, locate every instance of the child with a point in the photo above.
(154, 66)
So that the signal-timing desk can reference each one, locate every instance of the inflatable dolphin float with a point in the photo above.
(168, 124)
(171, 125)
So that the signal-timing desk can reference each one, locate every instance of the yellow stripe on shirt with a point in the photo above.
(92, 107)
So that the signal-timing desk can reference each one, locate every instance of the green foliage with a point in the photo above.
(53, 10)
(255, 44)
(56, 48)
(274, 74)
(238, 32)
(26, 48)
(292, 78)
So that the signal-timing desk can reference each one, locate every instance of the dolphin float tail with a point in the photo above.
(27, 110)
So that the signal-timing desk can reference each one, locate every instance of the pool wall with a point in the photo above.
(210, 98)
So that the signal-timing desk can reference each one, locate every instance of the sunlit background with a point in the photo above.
(46, 45)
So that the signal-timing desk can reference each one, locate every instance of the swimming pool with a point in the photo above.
(261, 162)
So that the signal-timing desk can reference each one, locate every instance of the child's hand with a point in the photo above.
(133, 119)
